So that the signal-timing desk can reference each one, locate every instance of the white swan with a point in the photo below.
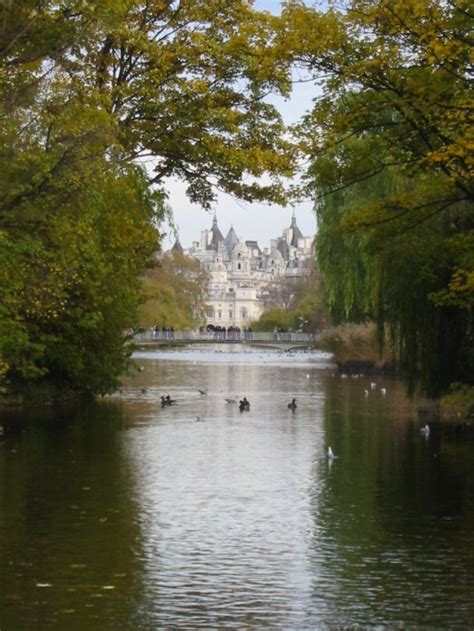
(331, 455)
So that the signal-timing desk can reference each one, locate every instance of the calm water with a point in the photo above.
(126, 516)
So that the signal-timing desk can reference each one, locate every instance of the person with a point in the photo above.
(244, 405)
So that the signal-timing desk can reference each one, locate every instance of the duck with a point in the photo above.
(292, 405)
(331, 455)
(244, 405)
(203, 392)
(425, 430)
(230, 400)
(167, 400)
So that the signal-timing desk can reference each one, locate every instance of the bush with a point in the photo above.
(355, 343)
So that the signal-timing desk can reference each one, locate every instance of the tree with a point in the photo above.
(185, 82)
(89, 91)
(391, 170)
(281, 291)
(294, 302)
(174, 293)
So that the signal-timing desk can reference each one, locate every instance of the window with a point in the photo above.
(243, 313)
(210, 313)
(219, 314)
(239, 265)
(231, 315)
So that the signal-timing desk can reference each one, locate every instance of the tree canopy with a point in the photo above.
(100, 103)
(174, 293)
(390, 142)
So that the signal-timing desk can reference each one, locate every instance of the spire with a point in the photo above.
(177, 247)
(231, 239)
(293, 219)
(296, 232)
(216, 235)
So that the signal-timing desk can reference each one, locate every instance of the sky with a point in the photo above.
(261, 222)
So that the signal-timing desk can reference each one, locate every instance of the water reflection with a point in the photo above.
(128, 515)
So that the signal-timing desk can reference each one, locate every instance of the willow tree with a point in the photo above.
(390, 142)
(101, 102)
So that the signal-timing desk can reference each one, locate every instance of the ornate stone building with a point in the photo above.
(239, 271)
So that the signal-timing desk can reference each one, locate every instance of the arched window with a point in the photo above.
(243, 313)
(210, 313)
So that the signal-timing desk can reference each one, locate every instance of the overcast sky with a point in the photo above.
(251, 221)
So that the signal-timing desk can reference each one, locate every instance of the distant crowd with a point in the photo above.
(229, 333)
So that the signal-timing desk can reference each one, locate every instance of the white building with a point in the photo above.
(239, 271)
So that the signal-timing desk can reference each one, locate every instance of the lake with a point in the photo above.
(125, 515)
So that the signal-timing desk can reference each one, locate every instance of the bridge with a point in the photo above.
(282, 341)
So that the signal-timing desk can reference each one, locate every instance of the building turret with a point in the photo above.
(230, 240)
(295, 232)
(177, 247)
(215, 235)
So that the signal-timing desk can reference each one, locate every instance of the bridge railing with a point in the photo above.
(224, 336)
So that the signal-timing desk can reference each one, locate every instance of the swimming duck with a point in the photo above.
(244, 405)
(292, 405)
(167, 400)
(425, 430)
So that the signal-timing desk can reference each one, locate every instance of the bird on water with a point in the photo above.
(244, 405)
(292, 405)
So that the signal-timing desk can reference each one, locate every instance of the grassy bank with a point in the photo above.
(356, 349)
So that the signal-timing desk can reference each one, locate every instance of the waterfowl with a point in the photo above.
(292, 405)
(202, 392)
(244, 405)
(383, 391)
(425, 430)
(331, 455)
(167, 400)
(230, 400)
